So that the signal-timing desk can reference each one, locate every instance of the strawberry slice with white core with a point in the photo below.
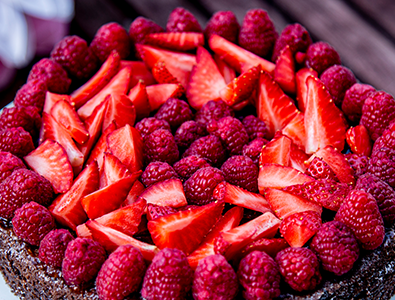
(83, 231)
(277, 176)
(52, 98)
(298, 158)
(205, 81)
(50, 161)
(121, 110)
(301, 87)
(169, 192)
(181, 41)
(236, 56)
(134, 193)
(276, 151)
(185, 229)
(324, 122)
(284, 73)
(138, 96)
(226, 71)
(159, 93)
(111, 239)
(296, 131)
(284, 204)
(112, 170)
(67, 208)
(274, 107)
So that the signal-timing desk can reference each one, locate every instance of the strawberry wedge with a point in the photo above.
(182, 41)
(52, 98)
(301, 87)
(158, 93)
(121, 110)
(138, 96)
(112, 170)
(277, 151)
(284, 73)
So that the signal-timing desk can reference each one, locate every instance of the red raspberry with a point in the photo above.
(121, 274)
(387, 139)
(336, 246)
(257, 32)
(74, 55)
(214, 279)
(53, 247)
(259, 275)
(320, 56)
(156, 211)
(9, 163)
(160, 146)
(26, 117)
(175, 112)
(377, 113)
(360, 212)
(52, 74)
(182, 20)
(157, 171)
(208, 147)
(21, 187)
(32, 222)
(82, 261)
(168, 277)
(188, 132)
(299, 268)
(319, 169)
(255, 127)
(32, 93)
(338, 79)
(354, 99)
(231, 133)
(213, 110)
(382, 192)
(382, 164)
(295, 36)
(200, 186)
(109, 37)
(241, 171)
(359, 163)
(186, 166)
(254, 148)
(16, 141)
(225, 24)
(148, 125)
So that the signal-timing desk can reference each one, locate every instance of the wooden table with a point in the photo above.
(362, 31)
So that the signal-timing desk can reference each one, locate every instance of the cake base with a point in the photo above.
(373, 275)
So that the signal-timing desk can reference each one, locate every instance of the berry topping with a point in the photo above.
(53, 247)
(188, 165)
(52, 74)
(254, 148)
(354, 99)
(336, 247)
(9, 163)
(241, 171)
(259, 275)
(382, 165)
(359, 163)
(257, 32)
(168, 277)
(200, 186)
(140, 28)
(208, 147)
(148, 125)
(188, 132)
(319, 169)
(121, 274)
(83, 259)
(17, 141)
(175, 112)
(26, 117)
(157, 171)
(32, 222)
(160, 146)
(255, 127)
(182, 20)
(31, 93)
(214, 279)
(225, 24)
(213, 110)
(320, 56)
(299, 268)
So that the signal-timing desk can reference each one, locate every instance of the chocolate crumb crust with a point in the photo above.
(373, 275)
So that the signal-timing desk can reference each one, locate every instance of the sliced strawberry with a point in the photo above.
(359, 140)
(276, 151)
(83, 231)
(269, 246)
(237, 57)
(52, 130)
(162, 74)
(125, 219)
(231, 242)
(185, 229)
(97, 203)
(319, 169)
(134, 193)
(140, 72)
(168, 192)
(111, 239)
(156, 211)
(242, 87)
(274, 107)
(66, 208)
(235, 195)
(284, 73)
(159, 93)
(121, 110)
(64, 113)
(227, 72)
(323, 121)
(112, 170)
(52, 98)
(138, 96)
(301, 87)
(205, 81)
(298, 228)
(284, 204)
(125, 143)
(296, 131)
(50, 161)
(228, 221)
(181, 41)
(277, 176)
(119, 84)
(297, 158)
(98, 81)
